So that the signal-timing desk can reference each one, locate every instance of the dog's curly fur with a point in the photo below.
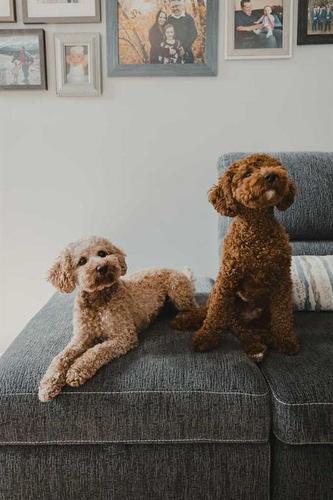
(109, 310)
(253, 292)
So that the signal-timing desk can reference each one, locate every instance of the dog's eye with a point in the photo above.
(102, 253)
(247, 174)
(82, 261)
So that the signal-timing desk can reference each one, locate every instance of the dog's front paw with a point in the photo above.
(50, 386)
(188, 320)
(257, 353)
(181, 321)
(205, 342)
(268, 340)
(289, 345)
(77, 376)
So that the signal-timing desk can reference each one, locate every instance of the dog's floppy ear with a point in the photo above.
(61, 274)
(220, 196)
(121, 257)
(289, 197)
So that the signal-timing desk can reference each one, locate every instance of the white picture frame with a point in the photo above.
(283, 52)
(7, 11)
(57, 11)
(78, 64)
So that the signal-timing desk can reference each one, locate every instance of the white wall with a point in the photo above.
(135, 164)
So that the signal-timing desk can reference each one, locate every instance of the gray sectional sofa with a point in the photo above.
(164, 422)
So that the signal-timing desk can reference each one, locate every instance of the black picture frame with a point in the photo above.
(41, 40)
(209, 68)
(303, 38)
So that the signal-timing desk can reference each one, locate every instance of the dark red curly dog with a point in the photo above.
(252, 295)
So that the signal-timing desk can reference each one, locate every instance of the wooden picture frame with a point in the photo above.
(30, 16)
(11, 18)
(23, 69)
(304, 19)
(80, 79)
(256, 52)
(207, 68)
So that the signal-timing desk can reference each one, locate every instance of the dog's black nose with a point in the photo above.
(102, 270)
(270, 178)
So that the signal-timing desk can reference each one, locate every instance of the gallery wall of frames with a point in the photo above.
(149, 38)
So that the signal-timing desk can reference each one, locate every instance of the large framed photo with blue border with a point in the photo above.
(315, 22)
(162, 37)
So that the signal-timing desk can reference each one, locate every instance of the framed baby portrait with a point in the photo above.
(61, 11)
(22, 60)
(315, 22)
(78, 66)
(162, 37)
(7, 11)
(258, 29)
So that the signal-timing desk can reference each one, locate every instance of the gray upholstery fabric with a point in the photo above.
(311, 216)
(302, 472)
(135, 472)
(161, 391)
(302, 385)
(312, 247)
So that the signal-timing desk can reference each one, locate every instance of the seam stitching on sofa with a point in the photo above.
(290, 443)
(289, 404)
(141, 392)
(202, 440)
(292, 404)
(299, 404)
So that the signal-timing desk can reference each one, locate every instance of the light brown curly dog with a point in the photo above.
(253, 292)
(109, 311)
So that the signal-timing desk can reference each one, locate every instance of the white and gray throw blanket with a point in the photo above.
(312, 277)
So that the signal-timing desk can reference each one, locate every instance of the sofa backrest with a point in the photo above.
(309, 221)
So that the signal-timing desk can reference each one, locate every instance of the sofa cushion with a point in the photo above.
(304, 221)
(160, 392)
(302, 385)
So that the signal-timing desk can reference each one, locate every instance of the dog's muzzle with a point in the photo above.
(270, 178)
(102, 270)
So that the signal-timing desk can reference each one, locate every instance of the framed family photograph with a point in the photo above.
(61, 11)
(258, 29)
(162, 37)
(22, 60)
(315, 22)
(7, 11)
(78, 66)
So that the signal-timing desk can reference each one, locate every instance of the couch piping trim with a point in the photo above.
(137, 441)
(290, 443)
(310, 403)
(298, 404)
(140, 392)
